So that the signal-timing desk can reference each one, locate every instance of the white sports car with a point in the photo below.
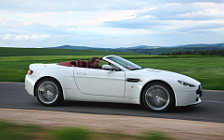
(115, 79)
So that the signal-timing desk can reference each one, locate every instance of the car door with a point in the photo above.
(99, 82)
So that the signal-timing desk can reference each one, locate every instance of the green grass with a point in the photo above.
(209, 70)
(12, 131)
(155, 136)
(4, 51)
(72, 134)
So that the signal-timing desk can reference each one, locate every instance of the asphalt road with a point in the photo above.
(13, 95)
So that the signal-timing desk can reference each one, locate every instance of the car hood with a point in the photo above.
(165, 73)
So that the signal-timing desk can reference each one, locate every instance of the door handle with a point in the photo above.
(81, 73)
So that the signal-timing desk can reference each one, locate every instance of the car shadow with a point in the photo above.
(186, 109)
(130, 107)
(101, 105)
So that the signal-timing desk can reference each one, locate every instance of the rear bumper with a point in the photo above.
(29, 84)
(189, 96)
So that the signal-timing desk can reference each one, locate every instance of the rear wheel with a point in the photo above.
(158, 96)
(49, 92)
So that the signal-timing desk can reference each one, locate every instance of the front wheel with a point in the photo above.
(158, 96)
(48, 92)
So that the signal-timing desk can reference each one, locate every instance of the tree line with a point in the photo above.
(204, 52)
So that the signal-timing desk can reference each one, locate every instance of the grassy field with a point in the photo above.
(12, 131)
(209, 70)
(4, 51)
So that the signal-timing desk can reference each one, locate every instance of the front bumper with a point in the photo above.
(189, 96)
(199, 91)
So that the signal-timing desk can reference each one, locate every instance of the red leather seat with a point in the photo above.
(77, 63)
(68, 64)
(83, 64)
(87, 64)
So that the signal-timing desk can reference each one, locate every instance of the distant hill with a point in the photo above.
(72, 47)
(140, 47)
(97, 48)
(145, 49)
(181, 48)
(203, 45)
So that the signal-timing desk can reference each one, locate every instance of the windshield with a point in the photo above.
(125, 63)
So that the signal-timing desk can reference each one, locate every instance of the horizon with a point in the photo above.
(110, 24)
(181, 45)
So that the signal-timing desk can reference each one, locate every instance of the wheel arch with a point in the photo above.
(149, 82)
(45, 77)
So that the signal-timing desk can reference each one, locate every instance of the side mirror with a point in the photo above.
(107, 67)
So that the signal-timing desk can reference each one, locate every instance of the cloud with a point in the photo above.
(110, 22)
(203, 27)
(187, 1)
(49, 5)
(72, 18)
(23, 37)
(205, 11)
(134, 24)
(188, 11)
(193, 17)
(85, 5)
(71, 5)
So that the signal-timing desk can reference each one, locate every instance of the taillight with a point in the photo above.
(29, 72)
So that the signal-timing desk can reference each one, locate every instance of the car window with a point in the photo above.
(125, 63)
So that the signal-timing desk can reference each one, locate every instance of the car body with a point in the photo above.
(118, 81)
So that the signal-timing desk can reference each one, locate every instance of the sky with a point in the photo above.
(110, 23)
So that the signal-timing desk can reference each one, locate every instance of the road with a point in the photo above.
(13, 95)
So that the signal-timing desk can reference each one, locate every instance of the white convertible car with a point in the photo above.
(115, 79)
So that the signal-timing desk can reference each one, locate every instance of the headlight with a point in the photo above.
(186, 84)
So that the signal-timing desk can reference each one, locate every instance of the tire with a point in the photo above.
(49, 92)
(158, 96)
